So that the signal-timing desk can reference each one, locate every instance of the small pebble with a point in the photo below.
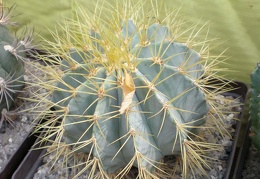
(230, 116)
(26, 78)
(24, 119)
(224, 157)
(220, 168)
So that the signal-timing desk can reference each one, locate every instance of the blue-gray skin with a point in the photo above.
(159, 130)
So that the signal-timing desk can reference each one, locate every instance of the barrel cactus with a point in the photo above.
(12, 54)
(255, 107)
(126, 93)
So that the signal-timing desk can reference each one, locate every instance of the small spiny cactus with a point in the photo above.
(255, 107)
(12, 54)
(127, 90)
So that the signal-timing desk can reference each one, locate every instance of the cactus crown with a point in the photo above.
(127, 91)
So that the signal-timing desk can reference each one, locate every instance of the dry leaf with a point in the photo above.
(128, 88)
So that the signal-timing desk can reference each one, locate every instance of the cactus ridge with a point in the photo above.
(156, 70)
(127, 93)
(255, 106)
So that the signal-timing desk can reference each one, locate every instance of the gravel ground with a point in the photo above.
(12, 136)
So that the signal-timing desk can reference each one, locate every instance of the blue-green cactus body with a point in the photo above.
(11, 68)
(166, 97)
(255, 106)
